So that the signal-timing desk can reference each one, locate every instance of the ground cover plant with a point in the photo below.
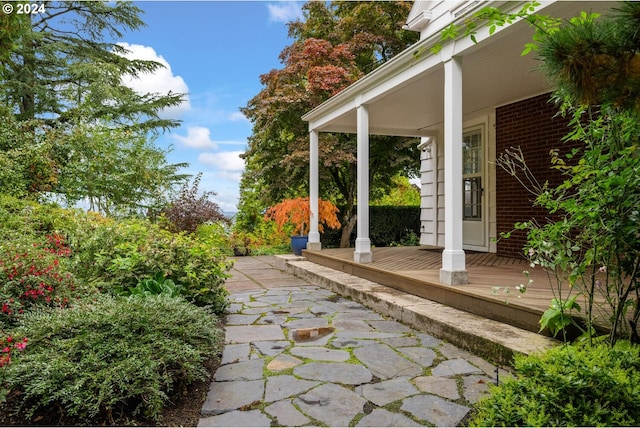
(571, 385)
(115, 360)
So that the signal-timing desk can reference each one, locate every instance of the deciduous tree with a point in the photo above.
(116, 171)
(334, 46)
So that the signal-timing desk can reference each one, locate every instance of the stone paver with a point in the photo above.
(441, 386)
(420, 355)
(435, 410)
(235, 353)
(385, 418)
(251, 333)
(386, 392)
(226, 396)
(344, 373)
(283, 362)
(320, 353)
(279, 387)
(271, 348)
(386, 363)
(357, 368)
(455, 367)
(253, 418)
(331, 404)
(286, 414)
(244, 370)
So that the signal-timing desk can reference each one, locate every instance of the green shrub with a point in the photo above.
(389, 226)
(118, 254)
(21, 218)
(109, 360)
(572, 385)
(121, 254)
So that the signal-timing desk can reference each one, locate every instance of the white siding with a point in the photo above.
(428, 195)
(432, 182)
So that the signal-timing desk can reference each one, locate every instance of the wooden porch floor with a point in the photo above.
(415, 270)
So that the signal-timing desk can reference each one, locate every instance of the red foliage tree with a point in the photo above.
(297, 213)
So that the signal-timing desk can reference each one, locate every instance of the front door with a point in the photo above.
(473, 221)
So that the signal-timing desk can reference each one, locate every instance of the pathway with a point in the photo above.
(299, 355)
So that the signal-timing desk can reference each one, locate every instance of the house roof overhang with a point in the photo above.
(405, 96)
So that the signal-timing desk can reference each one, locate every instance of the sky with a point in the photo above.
(214, 51)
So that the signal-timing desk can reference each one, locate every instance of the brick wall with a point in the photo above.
(531, 125)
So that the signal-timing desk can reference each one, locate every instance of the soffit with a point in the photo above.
(494, 73)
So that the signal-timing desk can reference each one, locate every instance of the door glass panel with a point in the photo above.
(472, 199)
(472, 176)
(472, 153)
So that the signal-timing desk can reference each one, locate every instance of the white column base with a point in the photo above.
(314, 242)
(454, 271)
(363, 254)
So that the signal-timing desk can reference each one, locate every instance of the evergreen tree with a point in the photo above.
(65, 65)
(72, 128)
(597, 61)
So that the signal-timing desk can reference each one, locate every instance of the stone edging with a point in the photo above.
(492, 340)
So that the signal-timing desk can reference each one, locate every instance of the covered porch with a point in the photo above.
(438, 97)
(416, 270)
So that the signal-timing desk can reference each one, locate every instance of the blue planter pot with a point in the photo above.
(299, 243)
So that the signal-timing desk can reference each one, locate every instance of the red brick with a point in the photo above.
(532, 125)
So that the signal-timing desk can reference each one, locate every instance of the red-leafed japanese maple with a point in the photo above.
(296, 214)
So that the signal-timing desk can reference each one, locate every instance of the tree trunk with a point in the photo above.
(350, 223)
(27, 77)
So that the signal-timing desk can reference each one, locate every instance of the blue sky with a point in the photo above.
(215, 51)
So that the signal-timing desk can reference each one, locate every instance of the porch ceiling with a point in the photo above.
(494, 73)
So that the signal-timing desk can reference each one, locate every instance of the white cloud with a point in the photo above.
(197, 138)
(161, 81)
(237, 116)
(228, 164)
(227, 201)
(286, 11)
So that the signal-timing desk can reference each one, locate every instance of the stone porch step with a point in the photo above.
(492, 340)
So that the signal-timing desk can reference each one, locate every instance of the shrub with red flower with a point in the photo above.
(33, 276)
(8, 345)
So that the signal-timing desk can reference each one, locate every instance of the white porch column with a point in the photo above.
(453, 270)
(362, 253)
(314, 236)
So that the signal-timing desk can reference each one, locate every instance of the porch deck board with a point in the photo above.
(416, 270)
